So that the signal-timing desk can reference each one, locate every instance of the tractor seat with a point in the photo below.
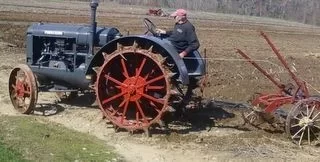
(193, 61)
(195, 64)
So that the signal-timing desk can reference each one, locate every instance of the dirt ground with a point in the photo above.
(219, 137)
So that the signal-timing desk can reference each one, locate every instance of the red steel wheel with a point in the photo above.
(23, 89)
(303, 122)
(132, 88)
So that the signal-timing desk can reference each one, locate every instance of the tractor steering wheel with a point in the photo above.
(150, 26)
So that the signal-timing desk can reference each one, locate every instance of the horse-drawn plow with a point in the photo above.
(290, 106)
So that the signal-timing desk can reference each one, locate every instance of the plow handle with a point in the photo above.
(299, 83)
(280, 57)
(281, 86)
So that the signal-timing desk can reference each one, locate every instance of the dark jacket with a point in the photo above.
(184, 37)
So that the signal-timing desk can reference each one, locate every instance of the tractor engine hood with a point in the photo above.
(79, 32)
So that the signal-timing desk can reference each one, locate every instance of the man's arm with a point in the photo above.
(169, 32)
(192, 40)
(164, 31)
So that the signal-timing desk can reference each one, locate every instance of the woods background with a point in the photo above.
(304, 11)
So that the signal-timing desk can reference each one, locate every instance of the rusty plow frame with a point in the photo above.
(301, 120)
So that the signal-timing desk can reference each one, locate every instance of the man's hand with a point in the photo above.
(160, 31)
(183, 54)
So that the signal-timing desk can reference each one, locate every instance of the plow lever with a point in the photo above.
(281, 86)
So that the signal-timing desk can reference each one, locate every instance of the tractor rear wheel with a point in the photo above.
(23, 89)
(132, 88)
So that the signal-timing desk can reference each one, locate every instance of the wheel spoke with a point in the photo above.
(124, 111)
(251, 113)
(295, 125)
(115, 81)
(307, 106)
(315, 135)
(114, 97)
(315, 116)
(27, 92)
(152, 80)
(152, 71)
(301, 137)
(146, 77)
(295, 117)
(137, 118)
(124, 102)
(154, 105)
(149, 87)
(141, 67)
(298, 132)
(25, 83)
(161, 101)
(309, 136)
(141, 112)
(252, 118)
(114, 112)
(311, 111)
(317, 126)
(13, 94)
(14, 87)
(118, 87)
(124, 67)
(23, 104)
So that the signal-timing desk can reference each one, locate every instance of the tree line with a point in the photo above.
(304, 11)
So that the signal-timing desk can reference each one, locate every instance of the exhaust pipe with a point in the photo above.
(94, 4)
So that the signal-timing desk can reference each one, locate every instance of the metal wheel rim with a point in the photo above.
(118, 115)
(303, 122)
(23, 89)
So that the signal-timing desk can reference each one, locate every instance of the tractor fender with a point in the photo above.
(161, 46)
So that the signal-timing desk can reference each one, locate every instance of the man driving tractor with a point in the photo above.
(183, 36)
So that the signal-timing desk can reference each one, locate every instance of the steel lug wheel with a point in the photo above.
(23, 89)
(132, 88)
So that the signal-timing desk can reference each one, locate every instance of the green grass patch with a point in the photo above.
(7, 154)
(37, 139)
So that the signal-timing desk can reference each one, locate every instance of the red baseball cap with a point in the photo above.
(179, 12)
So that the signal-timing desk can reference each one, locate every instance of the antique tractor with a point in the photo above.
(136, 78)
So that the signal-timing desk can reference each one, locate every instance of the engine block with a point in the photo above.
(63, 46)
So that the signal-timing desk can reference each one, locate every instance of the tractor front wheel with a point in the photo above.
(23, 89)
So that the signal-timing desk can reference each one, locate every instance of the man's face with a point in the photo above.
(177, 19)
